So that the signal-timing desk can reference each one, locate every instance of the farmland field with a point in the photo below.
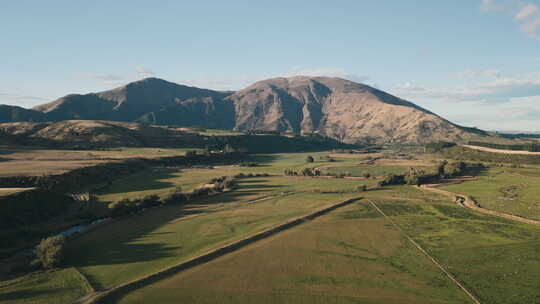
(55, 286)
(29, 161)
(351, 255)
(490, 255)
(508, 190)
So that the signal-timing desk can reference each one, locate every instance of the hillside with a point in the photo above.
(86, 133)
(341, 109)
(126, 103)
(334, 107)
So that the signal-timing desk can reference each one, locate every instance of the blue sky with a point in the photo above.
(475, 62)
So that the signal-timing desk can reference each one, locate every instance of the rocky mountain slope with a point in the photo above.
(341, 109)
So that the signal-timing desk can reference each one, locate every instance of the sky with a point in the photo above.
(474, 62)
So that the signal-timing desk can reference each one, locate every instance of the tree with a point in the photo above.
(50, 251)
(310, 159)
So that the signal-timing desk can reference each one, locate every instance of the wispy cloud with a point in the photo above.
(144, 71)
(102, 77)
(19, 100)
(526, 14)
(478, 73)
(496, 90)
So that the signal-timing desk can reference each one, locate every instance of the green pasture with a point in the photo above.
(494, 258)
(350, 255)
(508, 190)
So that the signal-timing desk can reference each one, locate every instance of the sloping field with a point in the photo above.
(510, 190)
(351, 255)
(54, 286)
(143, 244)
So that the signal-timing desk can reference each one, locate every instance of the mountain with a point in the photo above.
(348, 111)
(342, 109)
(126, 103)
(14, 113)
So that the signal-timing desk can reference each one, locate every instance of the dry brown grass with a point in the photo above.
(28, 161)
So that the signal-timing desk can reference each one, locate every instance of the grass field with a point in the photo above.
(508, 190)
(351, 255)
(142, 247)
(495, 258)
(29, 161)
(162, 181)
(55, 286)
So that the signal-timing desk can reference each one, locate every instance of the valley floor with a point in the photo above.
(351, 255)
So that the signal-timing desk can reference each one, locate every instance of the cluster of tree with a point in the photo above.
(22, 216)
(50, 252)
(127, 206)
(268, 132)
(247, 175)
(531, 147)
(215, 185)
(444, 169)
(275, 143)
(438, 146)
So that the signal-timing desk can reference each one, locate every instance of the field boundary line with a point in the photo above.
(208, 256)
(415, 244)
(468, 202)
(85, 280)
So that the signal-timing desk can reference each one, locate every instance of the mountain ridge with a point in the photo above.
(339, 108)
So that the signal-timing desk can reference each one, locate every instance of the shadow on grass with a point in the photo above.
(128, 239)
(150, 179)
(20, 295)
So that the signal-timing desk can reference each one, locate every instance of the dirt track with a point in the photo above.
(500, 150)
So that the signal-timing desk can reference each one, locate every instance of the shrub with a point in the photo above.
(50, 251)
(310, 159)
(307, 172)
(361, 188)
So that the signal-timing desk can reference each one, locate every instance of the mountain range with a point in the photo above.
(338, 108)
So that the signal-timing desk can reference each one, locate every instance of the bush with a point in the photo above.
(50, 251)
(310, 159)
(307, 172)
(361, 188)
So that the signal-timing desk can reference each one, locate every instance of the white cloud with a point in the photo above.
(526, 14)
(497, 89)
(492, 5)
(526, 11)
(144, 71)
